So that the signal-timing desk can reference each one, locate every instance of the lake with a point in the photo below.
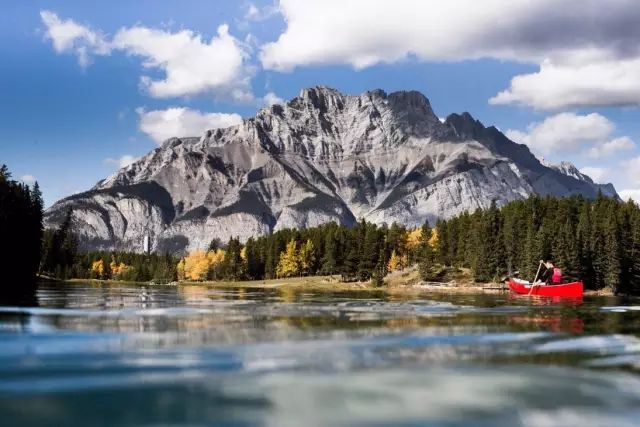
(92, 355)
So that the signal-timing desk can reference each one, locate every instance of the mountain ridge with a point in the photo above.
(322, 156)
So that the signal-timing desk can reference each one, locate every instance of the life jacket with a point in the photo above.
(556, 278)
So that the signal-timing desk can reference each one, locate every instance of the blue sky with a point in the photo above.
(89, 86)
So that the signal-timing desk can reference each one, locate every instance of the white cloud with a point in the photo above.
(68, 36)
(191, 64)
(271, 99)
(28, 179)
(181, 122)
(564, 132)
(623, 143)
(595, 173)
(354, 32)
(122, 161)
(632, 169)
(631, 194)
(591, 48)
(594, 84)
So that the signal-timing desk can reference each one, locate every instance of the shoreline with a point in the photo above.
(331, 284)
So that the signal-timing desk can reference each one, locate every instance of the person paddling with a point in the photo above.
(552, 275)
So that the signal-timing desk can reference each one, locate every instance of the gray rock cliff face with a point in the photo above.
(323, 156)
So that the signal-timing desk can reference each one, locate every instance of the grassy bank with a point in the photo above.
(406, 281)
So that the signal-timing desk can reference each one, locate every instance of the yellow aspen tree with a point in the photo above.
(307, 257)
(414, 238)
(117, 269)
(196, 265)
(434, 241)
(97, 268)
(394, 262)
(288, 265)
(215, 259)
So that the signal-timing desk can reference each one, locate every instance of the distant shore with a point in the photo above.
(333, 284)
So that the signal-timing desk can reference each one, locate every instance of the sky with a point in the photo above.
(88, 87)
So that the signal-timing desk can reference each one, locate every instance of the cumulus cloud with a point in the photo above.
(271, 99)
(564, 132)
(122, 161)
(623, 143)
(69, 36)
(573, 36)
(595, 173)
(182, 122)
(28, 179)
(190, 63)
(632, 169)
(632, 194)
(592, 84)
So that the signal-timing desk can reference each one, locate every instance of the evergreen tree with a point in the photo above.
(633, 253)
(611, 267)
(233, 264)
(255, 266)
(329, 259)
(370, 250)
(214, 245)
(427, 263)
(20, 230)
(380, 270)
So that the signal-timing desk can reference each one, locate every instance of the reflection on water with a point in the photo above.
(189, 355)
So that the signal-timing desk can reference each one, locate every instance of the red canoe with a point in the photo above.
(565, 290)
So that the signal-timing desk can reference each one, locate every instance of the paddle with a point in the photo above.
(533, 284)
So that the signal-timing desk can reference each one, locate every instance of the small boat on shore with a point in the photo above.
(565, 290)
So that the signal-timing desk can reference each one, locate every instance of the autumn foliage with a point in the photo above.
(200, 265)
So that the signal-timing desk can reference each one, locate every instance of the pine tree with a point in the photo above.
(255, 267)
(329, 259)
(426, 265)
(612, 268)
(233, 265)
(443, 243)
(370, 250)
(380, 270)
(20, 230)
(633, 253)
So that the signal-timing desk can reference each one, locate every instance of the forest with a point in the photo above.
(597, 241)
(20, 229)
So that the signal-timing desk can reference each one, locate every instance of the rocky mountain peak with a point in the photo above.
(464, 125)
(322, 156)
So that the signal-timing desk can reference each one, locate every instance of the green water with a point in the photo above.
(84, 355)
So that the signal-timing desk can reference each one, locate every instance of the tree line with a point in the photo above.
(363, 252)
(20, 228)
(597, 241)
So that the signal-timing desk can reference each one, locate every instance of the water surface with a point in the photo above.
(90, 355)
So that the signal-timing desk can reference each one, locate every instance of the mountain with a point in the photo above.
(323, 156)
